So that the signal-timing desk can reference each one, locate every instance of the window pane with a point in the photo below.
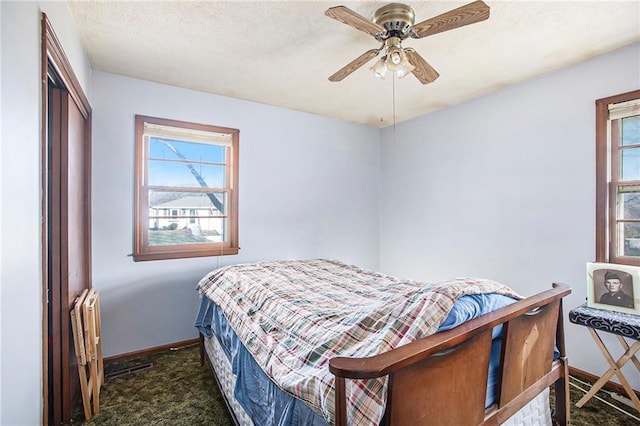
(177, 150)
(165, 203)
(629, 233)
(631, 130)
(185, 174)
(629, 204)
(630, 164)
(186, 218)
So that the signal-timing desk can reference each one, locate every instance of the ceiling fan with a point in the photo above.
(395, 22)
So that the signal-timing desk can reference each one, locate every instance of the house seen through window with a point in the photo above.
(186, 189)
(618, 179)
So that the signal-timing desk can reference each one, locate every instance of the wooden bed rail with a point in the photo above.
(442, 379)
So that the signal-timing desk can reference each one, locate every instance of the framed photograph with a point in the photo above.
(613, 287)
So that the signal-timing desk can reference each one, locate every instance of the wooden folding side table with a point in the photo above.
(623, 326)
(87, 339)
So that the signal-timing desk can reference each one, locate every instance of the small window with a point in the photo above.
(186, 190)
(618, 179)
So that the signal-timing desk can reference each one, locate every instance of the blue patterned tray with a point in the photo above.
(626, 325)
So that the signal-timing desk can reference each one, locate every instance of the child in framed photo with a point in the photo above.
(613, 287)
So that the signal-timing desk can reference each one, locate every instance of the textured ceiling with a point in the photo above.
(282, 52)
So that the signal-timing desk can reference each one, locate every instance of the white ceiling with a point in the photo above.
(282, 52)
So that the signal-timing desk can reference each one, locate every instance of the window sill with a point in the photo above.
(184, 254)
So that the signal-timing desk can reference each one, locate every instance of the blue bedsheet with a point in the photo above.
(267, 404)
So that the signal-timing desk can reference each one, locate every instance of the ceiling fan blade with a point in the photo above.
(423, 71)
(456, 18)
(347, 16)
(354, 65)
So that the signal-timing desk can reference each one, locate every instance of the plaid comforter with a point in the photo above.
(294, 316)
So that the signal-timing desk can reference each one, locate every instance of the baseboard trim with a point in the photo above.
(150, 351)
(611, 386)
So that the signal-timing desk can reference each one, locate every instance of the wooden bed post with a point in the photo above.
(561, 387)
(341, 402)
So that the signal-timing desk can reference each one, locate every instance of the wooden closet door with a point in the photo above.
(70, 240)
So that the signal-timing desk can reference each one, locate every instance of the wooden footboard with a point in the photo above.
(442, 379)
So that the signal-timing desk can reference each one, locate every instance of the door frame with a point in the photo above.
(52, 55)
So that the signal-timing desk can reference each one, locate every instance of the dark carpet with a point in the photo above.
(177, 390)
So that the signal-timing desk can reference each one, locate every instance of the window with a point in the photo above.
(186, 191)
(618, 179)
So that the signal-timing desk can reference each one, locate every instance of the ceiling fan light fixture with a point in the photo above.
(407, 68)
(396, 59)
(380, 67)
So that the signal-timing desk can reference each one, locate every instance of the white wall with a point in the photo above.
(308, 188)
(20, 184)
(503, 187)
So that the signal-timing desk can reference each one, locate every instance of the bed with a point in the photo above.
(317, 342)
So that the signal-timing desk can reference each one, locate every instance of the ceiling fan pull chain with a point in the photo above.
(393, 79)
